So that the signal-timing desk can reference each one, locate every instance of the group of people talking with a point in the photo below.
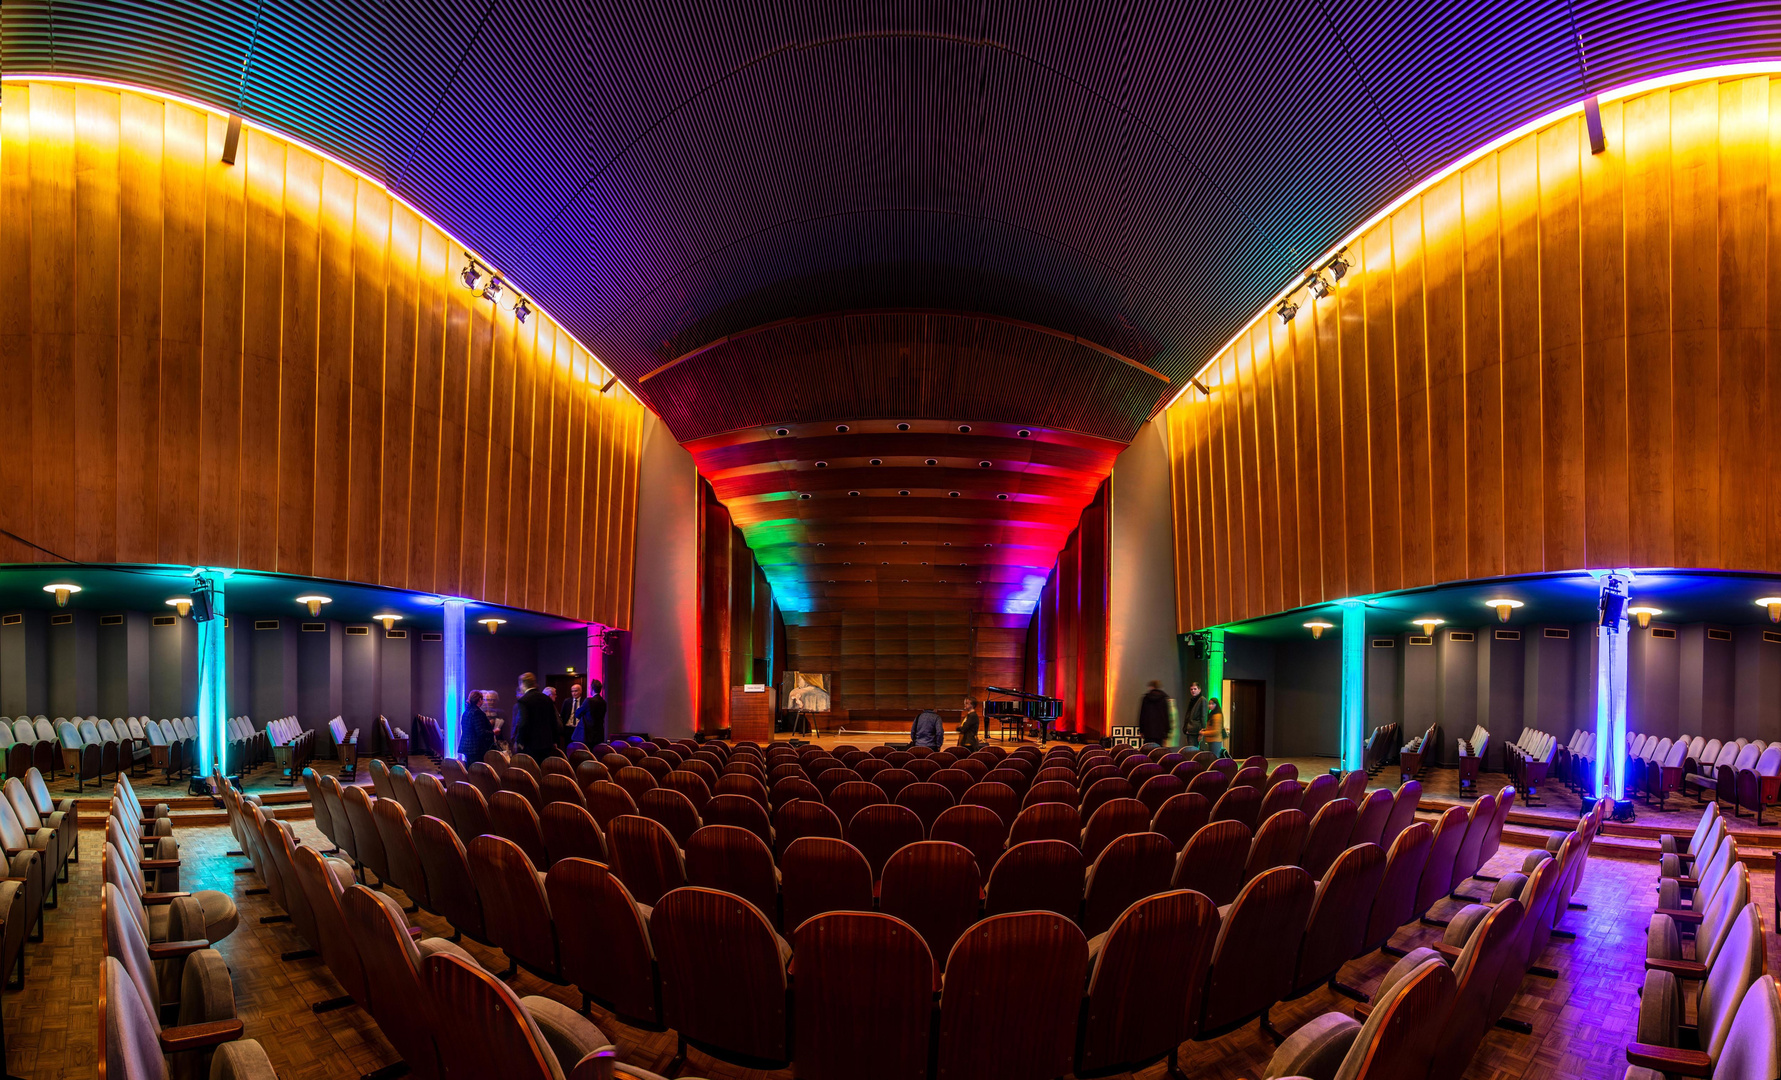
(539, 725)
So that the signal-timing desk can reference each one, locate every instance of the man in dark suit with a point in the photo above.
(569, 712)
(590, 718)
(535, 728)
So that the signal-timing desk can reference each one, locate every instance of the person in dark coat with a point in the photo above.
(590, 717)
(476, 736)
(1196, 714)
(535, 720)
(969, 721)
(927, 730)
(1153, 715)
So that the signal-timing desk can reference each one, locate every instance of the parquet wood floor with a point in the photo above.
(1581, 1020)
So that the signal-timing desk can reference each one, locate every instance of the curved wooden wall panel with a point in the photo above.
(1548, 360)
(272, 365)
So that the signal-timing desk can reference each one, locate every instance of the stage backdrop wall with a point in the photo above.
(1549, 360)
(271, 365)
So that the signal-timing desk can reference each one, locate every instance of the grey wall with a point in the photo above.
(660, 659)
(275, 671)
(1141, 642)
(1306, 696)
(24, 665)
(123, 667)
(73, 665)
(173, 668)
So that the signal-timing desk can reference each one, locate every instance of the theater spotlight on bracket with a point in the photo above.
(181, 604)
(1504, 606)
(1318, 286)
(1643, 614)
(314, 603)
(1317, 627)
(1287, 311)
(63, 591)
(491, 623)
(1338, 266)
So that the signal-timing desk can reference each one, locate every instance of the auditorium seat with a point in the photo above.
(605, 945)
(397, 997)
(322, 891)
(864, 1002)
(570, 832)
(1670, 843)
(893, 780)
(1257, 948)
(402, 857)
(1111, 820)
(1283, 795)
(1396, 1041)
(367, 850)
(1036, 875)
(1663, 1005)
(928, 800)
(935, 887)
(1131, 867)
(345, 839)
(735, 861)
(1327, 836)
(1211, 783)
(559, 788)
(449, 883)
(1212, 862)
(1239, 803)
(1181, 816)
(723, 972)
(281, 845)
(1337, 923)
(1145, 977)
(821, 873)
(1664, 949)
(1395, 903)
(512, 816)
(132, 1040)
(645, 856)
(1437, 874)
(975, 827)
(1278, 842)
(1020, 977)
(606, 800)
(790, 789)
(1471, 844)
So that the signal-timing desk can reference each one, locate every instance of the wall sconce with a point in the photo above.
(1644, 614)
(388, 621)
(1504, 606)
(63, 591)
(1317, 627)
(181, 604)
(314, 603)
(491, 623)
(1773, 603)
(1428, 624)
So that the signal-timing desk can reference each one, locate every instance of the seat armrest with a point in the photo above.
(199, 1036)
(169, 950)
(1682, 969)
(1682, 856)
(43, 838)
(416, 932)
(1669, 1059)
(1450, 953)
(1680, 915)
(160, 864)
(162, 897)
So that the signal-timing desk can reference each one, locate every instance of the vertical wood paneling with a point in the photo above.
(271, 365)
(1551, 360)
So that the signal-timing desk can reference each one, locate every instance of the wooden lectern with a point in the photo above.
(752, 711)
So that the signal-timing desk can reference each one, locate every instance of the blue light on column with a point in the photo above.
(213, 669)
(454, 672)
(1354, 683)
(1610, 698)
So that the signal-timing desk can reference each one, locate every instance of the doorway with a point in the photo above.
(1245, 716)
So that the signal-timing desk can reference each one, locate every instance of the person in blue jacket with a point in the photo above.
(927, 730)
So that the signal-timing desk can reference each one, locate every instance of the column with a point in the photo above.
(455, 688)
(1214, 673)
(1354, 684)
(1611, 679)
(213, 669)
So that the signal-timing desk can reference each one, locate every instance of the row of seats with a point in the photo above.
(1382, 746)
(1418, 752)
(1471, 757)
(1746, 774)
(39, 836)
(1528, 760)
(1363, 892)
(1706, 957)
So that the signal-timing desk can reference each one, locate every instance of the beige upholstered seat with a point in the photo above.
(1662, 1003)
(202, 994)
(130, 1046)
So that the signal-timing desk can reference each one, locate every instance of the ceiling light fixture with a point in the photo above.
(1504, 606)
(782, 431)
(933, 461)
(1644, 614)
(905, 491)
(1003, 495)
(902, 427)
(964, 429)
(181, 604)
(1773, 603)
(492, 623)
(314, 603)
(1428, 624)
(63, 591)
(1317, 627)
(1024, 433)
(388, 619)
(803, 494)
(952, 494)
(822, 464)
(842, 428)
(853, 493)
(876, 461)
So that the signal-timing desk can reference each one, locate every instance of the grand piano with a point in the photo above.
(1014, 716)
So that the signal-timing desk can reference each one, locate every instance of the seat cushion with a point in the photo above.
(243, 1060)
(1660, 1009)
(1663, 940)
(206, 993)
(220, 916)
(1459, 929)
(428, 946)
(1316, 1049)
(570, 1035)
(1509, 887)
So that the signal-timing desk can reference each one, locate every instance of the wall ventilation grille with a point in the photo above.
(358, 631)
(432, 637)
(1771, 637)
(1421, 639)
(64, 619)
(315, 628)
(111, 620)
(396, 635)
(11, 620)
(1508, 635)
(1557, 632)
(166, 620)
(265, 624)
(1660, 632)
(1719, 635)
(1385, 643)
(1460, 635)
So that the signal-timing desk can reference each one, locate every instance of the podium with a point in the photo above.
(752, 709)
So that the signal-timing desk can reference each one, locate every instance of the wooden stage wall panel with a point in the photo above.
(272, 365)
(897, 660)
(1549, 360)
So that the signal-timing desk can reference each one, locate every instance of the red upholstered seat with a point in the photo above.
(570, 832)
(818, 874)
(935, 887)
(1019, 976)
(975, 827)
(1258, 946)
(1212, 862)
(1130, 868)
(606, 950)
(735, 861)
(645, 857)
(864, 1006)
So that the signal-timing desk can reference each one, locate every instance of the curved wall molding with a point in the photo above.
(271, 365)
(1547, 360)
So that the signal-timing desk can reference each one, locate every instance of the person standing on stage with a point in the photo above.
(969, 720)
(1153, 715)
(927, 730)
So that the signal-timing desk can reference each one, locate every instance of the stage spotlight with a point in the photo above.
(471, 275)
(521, 309)
(1287, 310)
(1318, 286)
(1339, 265)
(492, 291)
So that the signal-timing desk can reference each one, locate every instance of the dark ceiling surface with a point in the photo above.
(1041, 202)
